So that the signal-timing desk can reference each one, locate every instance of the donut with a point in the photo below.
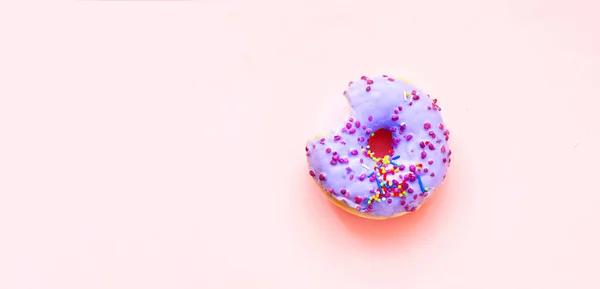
(388, 185)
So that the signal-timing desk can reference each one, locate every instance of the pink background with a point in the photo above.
(161, 145)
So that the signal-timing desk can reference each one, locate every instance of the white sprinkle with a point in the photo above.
(365, 166)
(405, 95)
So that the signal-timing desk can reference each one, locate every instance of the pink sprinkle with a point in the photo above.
(416, 97)
(370, 118)
(431, 147)
(414, 92)
(410, 190)
(368, 131)
(354, 152)
(422, 144)
(395, 117)
(357, 124)
(402, 167)
(425, 170)
(321, 177)
(351, 120)
(368, 88)
(333, 162)
(430, 162)
(414, 197)
(343, 191)
(390, 79)
(444, 160)
(384, 75)
(363, 77)
(441, 126)
(389, 201)
(427, 125)
(369, 81)
(312, 173)
(400, 108)
(423, 155)
(409, 137)
(335, 157)
(362, 177)
(328, 150)
(337, 138)
(322, 141)
(357, 200)
(432, 174)
(412, 168)
(364, 126)
(352, 131)
(361, 161)
(395, 111)
(348, 125)
(403, 202)
(432, 134)
(402, 127)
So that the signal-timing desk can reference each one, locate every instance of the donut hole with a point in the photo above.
(380, 142)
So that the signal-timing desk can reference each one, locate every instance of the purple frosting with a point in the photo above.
(341, 162)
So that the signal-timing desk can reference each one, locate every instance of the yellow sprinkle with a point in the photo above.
(402, 79)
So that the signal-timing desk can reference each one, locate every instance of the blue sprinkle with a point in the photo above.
(393, 163)
(421, 184)
(396, 157)
(370, 175)
(379, 185)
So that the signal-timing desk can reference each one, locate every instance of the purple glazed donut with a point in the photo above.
(350, 174)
